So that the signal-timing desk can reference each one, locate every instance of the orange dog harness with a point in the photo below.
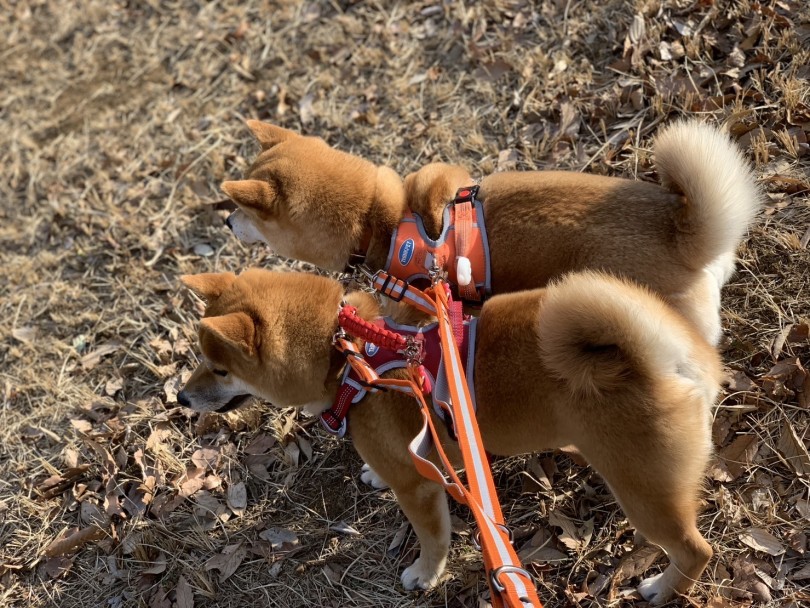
(461, 250)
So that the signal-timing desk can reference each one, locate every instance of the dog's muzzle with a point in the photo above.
(228, 221)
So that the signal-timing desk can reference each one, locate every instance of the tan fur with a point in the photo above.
(593, 362)
(540, 224)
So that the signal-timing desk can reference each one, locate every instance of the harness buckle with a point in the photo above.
(466, 194)
(508, 568)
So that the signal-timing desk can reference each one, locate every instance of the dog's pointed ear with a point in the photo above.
(208, 285)
(235, 330)
(251, 193)
(269, 135)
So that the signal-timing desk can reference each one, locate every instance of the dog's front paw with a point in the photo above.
(421, 575)
(652, 590)
(368, 476)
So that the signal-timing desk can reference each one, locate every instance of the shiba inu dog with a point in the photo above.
(590, 361)
(311, 202)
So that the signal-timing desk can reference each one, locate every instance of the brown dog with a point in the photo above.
(592, 361)
(312, 202)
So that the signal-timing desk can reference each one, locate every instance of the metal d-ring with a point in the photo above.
(503, 527)
(498, 586)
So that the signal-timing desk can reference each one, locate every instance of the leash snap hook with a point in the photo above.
(413, 351)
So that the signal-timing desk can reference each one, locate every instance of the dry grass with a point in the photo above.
(119, 121)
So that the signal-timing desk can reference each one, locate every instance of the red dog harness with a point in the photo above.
(461, 250)
(382, 359)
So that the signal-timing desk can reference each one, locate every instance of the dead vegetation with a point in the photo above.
(119, 121)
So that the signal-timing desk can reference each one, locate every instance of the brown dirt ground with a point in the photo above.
(120, 119)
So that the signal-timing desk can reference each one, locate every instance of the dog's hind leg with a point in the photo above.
(657, 488)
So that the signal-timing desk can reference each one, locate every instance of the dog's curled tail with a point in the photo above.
(598, 333)
(708, 168)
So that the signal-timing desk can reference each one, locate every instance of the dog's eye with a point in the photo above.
(220, 372)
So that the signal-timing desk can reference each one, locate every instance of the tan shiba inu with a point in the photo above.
(311, 202)
(590, 361)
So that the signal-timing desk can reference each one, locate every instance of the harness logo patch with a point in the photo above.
(405, 252)
(371, 349)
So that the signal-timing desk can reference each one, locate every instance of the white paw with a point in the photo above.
(650, 589)
(368, 476)
(421, 575)
(463, 270)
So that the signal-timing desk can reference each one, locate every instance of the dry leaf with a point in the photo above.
(260, 444)
(507, 160)
(540, 549)
(292, 452)
(158, 565)
(57, 566)
(306, 446)
(801, 575)
(636, 563)
(195, 478)
(91, 359)
(735, 458)
(344, 528)
(83, 426)
(803, 507)
(573, 537)
(228, 561)
(73, 541)
(305, 109)
(793, 449)
(208, 505)
(184, 595)
(206, 458)
(280, 539)
(237, 498)
(762, 540)
(25, 334)
(396, 543)
(113, 386)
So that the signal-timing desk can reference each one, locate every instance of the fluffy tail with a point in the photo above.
(708, 168)
(597, 333)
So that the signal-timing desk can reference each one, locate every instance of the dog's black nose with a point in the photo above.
(182, 399)
(228, 222)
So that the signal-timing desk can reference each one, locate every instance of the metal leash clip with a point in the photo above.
(413, 351)
(435, 273)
